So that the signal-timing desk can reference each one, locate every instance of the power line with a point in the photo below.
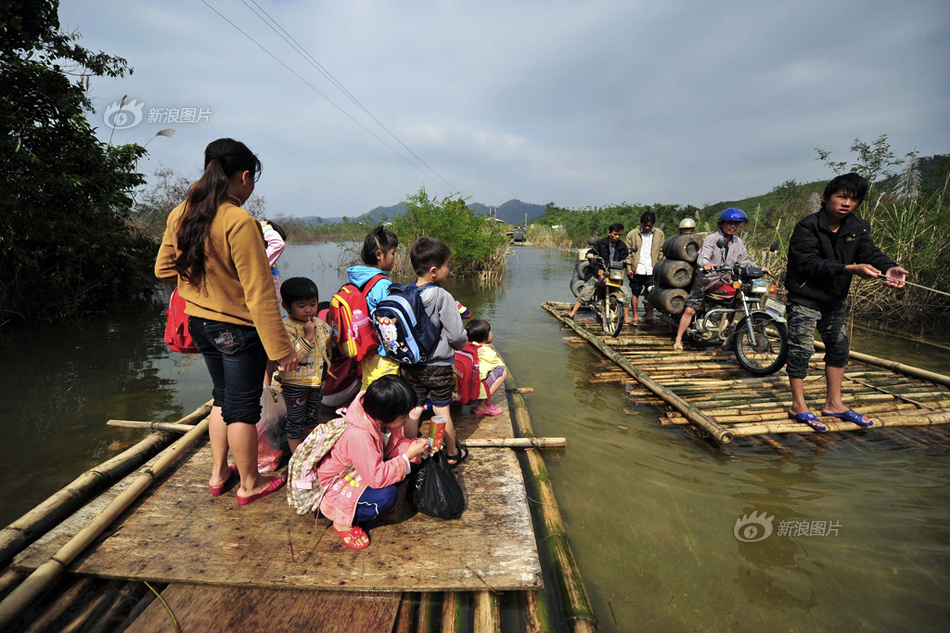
(300, 50)
(314, 88)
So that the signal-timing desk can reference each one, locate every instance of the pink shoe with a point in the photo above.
(274, 485)
(492, 410)
(217, 490)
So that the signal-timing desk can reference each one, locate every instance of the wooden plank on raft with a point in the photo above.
(224, 609)
(180, 534)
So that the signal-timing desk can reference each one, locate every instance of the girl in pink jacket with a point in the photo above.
(361, 472)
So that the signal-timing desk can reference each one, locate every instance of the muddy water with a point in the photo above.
(860, 531)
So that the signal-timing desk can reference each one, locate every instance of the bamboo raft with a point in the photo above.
(112, 552)
(707, 391)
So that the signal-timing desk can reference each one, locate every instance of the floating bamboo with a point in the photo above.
(44, 575)
(551, 532)
(16, 536)
(487, 613)
(695, 416)
(901, 368)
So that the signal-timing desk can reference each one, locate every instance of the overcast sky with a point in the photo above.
(580, 103)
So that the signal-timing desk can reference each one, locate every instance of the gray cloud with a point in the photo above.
(581, 103)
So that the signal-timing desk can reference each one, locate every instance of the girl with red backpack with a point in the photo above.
(214, 250)
(491, 369)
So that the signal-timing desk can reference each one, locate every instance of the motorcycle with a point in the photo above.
(760, 339)
(608, 300)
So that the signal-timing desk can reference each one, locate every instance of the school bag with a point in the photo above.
(177, 336)
(304, 491)
(467, 374)
(404, 328)
(350, 320)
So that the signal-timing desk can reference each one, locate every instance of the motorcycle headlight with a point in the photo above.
(616, 275)
(760, 286)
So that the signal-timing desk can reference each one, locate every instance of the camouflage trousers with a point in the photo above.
(802, 322)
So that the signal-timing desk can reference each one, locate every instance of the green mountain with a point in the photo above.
(512, 212)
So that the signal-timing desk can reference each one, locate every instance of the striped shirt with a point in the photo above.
(313, 356)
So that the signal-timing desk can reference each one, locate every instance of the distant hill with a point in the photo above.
(512, 212)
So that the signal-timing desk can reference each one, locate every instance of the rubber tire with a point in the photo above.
(581, 269)
(671, 273)
(613, 306)
(684, 248)
(669, 300)
(740, 341)
(576, 285)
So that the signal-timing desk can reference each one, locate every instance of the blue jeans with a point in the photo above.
(236, 361)
(802, 322)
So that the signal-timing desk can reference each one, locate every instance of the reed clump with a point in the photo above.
(546, 236)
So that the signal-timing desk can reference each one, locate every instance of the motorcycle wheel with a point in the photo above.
(613, 315)
(770, 351)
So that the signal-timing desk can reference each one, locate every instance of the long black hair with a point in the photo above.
(223, 158)
(379, 239)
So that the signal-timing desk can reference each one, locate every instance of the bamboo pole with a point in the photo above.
(93, 607)
(535, 615)
(10, 578)
(453, 612)
(428, 619)
(551, 532)
(127, 596)
(169, 427)
(695, 416)
(907, 370)
(487, 613)
(16, 536)
(927, 419)
(45, 574)
(518, 442)
(405, 616)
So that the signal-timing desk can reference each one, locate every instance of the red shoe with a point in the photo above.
(354, 534)
(217, 490)
(274, 485)
(492, 410)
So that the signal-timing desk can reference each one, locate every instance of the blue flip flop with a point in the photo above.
(851, 416)
(808, 418)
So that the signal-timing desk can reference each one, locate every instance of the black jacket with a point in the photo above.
(816, 260)
(602, 248)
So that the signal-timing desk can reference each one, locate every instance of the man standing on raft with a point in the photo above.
(826, 249)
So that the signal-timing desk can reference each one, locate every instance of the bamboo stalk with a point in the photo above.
(16, 536)
(10, 578)
(535, 615)
(45, 574)
(518, 442)
(405, 616)
(552, 535)
(693, 414)
(428, 619)
(130, 593)
(147, 598)
(928, 419)
(907, 370)
(487, 613)
(155, 426)
(452, 620)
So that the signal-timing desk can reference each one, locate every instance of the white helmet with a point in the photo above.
(687, 223)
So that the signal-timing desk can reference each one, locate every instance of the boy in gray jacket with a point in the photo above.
(435, 378)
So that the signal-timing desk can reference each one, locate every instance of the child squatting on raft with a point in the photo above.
(362, 470)
(491, 369)
(303, 384)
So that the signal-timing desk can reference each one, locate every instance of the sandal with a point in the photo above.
(353, 534)
(851, 416)
(677, 347)
(217, 490)
(274, 485)
(458, 459)
(808, 418)
(492, 410)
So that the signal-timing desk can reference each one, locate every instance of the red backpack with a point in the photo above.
(467, 380)
(351, 321)
(176, 327)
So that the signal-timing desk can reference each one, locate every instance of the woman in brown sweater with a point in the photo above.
(215, 252)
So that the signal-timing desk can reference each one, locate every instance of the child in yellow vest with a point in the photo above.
(491, 369)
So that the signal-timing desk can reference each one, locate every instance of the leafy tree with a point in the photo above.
(65, 241)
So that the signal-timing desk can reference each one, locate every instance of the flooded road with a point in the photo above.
(860, 531)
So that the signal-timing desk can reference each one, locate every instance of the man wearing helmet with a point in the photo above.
(687, 226)
(825, 251)
(711, 257)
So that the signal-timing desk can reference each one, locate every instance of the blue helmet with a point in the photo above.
(733, 214)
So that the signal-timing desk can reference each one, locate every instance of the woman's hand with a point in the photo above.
(288, 362)
(417, 447)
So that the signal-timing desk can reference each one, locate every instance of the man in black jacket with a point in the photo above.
(610, 249)
(826, 249)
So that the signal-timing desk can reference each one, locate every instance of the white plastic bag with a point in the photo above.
(271, 438)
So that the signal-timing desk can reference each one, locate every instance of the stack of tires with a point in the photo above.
(580, 270)
(673, 275)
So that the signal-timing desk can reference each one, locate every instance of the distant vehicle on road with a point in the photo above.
(518, 235)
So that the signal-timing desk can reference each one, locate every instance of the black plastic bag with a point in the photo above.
(433, 489)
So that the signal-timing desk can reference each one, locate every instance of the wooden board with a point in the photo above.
(212, 609)
(179, 533)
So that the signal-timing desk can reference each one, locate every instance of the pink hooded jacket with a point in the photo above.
(362, 446)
